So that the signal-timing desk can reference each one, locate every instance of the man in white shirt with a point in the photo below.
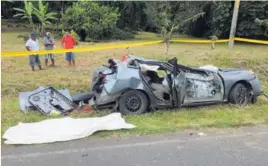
(33, 45)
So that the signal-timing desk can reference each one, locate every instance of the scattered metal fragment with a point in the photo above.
(47, 99)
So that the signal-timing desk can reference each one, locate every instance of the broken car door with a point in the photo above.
(178, 86)
(202, 88)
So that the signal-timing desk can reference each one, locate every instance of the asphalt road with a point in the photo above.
(244, 146)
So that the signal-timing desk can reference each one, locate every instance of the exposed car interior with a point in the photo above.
(199, 87)
(158, 80)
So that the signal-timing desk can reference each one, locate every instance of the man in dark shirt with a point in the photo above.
(49, 45)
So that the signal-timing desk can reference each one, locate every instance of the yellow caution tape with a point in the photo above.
(59, 51)
(251, 40)
(220, 41)
(97, 48)
(198, 41)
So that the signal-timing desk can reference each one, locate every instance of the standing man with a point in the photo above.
(33, 45)
(68, 42)
(49, 45)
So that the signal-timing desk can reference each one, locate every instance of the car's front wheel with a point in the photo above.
(239, 94)
(133, 102)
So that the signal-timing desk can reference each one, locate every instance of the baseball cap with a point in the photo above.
(33, 34)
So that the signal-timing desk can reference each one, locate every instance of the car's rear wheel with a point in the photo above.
(133, 102)
(239, 94)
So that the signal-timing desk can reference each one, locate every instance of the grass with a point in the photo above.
(17, 77)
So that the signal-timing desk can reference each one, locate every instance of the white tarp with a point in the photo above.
(63, 129)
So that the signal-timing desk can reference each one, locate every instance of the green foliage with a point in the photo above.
(131, 14)
(122, 34)
(248, 13)
(98, 21)
(264, 24)
(26, 13)
(168, 17)
(216, 21)
(101, 18)
(220, 19)
(75, 35)
(43, 15)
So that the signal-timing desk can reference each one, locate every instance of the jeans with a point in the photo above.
(34, 60)
(51, 56)
(69, 56)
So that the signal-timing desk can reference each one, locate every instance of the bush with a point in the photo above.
(98, 21)
(122, 34)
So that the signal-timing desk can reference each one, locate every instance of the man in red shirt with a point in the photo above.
(68, 42)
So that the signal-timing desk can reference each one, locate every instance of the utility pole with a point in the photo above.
(234, 22)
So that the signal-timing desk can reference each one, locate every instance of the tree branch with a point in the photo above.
(194, 17)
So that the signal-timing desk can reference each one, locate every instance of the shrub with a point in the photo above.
(122, 34)
(98, 21)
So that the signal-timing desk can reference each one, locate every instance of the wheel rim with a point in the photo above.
(241, 95)
(133, 103)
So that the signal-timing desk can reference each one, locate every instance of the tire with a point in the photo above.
(239, 94)
(254, 99)
(133, 102)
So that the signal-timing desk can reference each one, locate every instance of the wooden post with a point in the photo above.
(234, 22)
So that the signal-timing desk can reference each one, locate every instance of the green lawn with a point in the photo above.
(17, 77)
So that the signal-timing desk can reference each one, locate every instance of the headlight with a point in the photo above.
(253, 74)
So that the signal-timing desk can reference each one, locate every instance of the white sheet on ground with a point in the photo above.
(63, 129)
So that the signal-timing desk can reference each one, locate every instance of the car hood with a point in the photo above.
(231, 70)
(237, 73)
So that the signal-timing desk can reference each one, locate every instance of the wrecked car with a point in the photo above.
(137, 85)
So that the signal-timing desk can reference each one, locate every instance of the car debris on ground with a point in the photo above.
(50, 101)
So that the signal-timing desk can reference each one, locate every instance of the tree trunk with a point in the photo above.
(32, 24)
(213, 45)
(167, 48)
(42, 29)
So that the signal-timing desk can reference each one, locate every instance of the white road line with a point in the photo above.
(37, 154)
(141, 144)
